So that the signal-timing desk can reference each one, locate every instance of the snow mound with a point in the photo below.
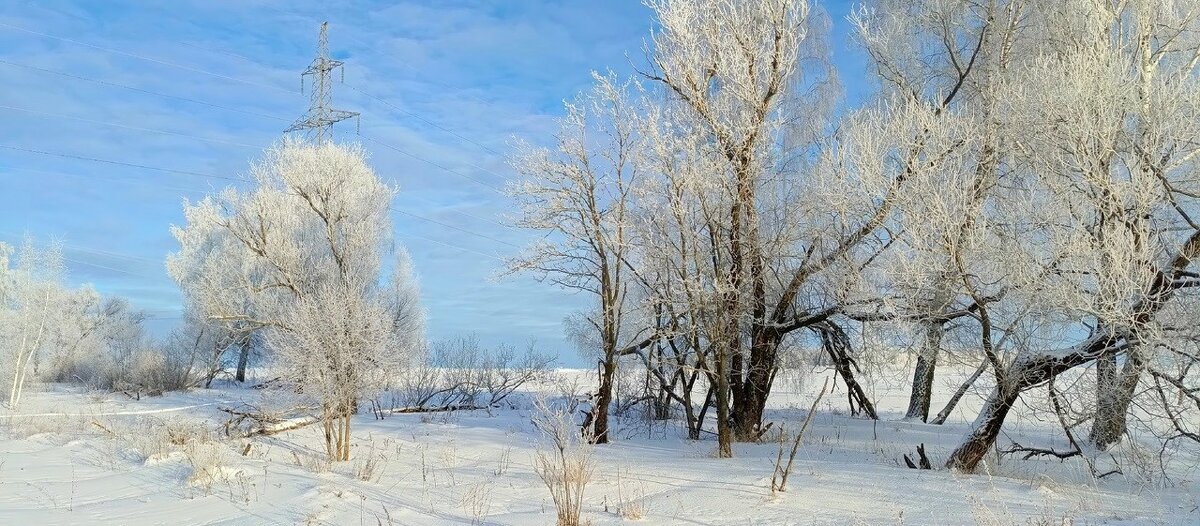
(165, 458)
(206, 477)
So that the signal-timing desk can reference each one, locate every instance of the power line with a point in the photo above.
(198, 191)
(148, 59)
(92, 250)
(452, 227)
(464, 249)
(423, 119)
(393, 209)
(364, 45)
(221, 51)
(417, 216)
(432, 163)
(140, 90)
(90, 264)
(227, 108)
(425, 79)
(378, 99)
(97, 265)
(455, 210)
(92, 177)
(135, 128)
(139, 258)
(235, 79)
(105, 253)
(118, 163)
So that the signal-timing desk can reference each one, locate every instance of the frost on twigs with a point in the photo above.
(302, 258)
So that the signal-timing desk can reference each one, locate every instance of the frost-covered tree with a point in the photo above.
(741, 241)
(30, 296)
(301, 256)
(945, 57)
(581, 195)
(93, 340)
(59, 334)
(1063, 232)
(1099, 202)
(1022, 188)
(207, 344)
(760, 249)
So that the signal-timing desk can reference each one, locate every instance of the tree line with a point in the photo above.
(1022, 184)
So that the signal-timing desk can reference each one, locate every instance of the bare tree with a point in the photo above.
(30, 297)
(1103, 171)
(208, 344)
(580, 195)
(945, 57)
(737, 77)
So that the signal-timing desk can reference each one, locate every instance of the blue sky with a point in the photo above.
(442, 87)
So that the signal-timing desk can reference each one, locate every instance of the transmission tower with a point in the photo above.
(321, 115)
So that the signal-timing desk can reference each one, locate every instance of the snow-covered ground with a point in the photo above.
(73, 457)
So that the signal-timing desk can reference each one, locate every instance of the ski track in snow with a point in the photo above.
(117, 413)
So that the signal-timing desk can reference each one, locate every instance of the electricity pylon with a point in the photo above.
(318, 121)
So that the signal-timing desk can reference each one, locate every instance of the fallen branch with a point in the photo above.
(263, 423)
(439, 409)
(1031, 452)
(103, 428)
(268, 383)
(286, 425)
(962, 389)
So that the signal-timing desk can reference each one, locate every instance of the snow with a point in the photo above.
(72, 457)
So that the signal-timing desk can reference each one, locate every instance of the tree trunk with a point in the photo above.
(1020, 376)
(662, 407)
(1114, 393)
(608, 368)
(696, 422)
(985, 430)
(721, 390)
(922, 384)
(344, 438)
(962, 389)
(336, 422)
(1032, 370)
(661, 398)
(750, 399)
(724, 431)
(24, 355)
(243, 359)
(327, 423)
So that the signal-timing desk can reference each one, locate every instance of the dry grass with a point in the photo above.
(504, 462)
(313, 462)
(21, 427)
(152, 438)
(477, 501)
(368, 467)
(563, 461)
(631, 501)
(210, 465)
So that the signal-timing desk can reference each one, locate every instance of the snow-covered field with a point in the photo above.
(72, 457)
